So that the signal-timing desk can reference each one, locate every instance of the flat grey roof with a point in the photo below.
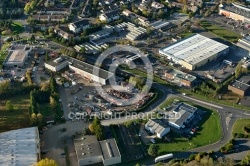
(109, 149)
(88, 150)
(183, 111)
(181, 74)
(17, 56)
(242, 83)
(238, 9)
(80, 65)
(90, 68)
(19, 147)
(193, 49)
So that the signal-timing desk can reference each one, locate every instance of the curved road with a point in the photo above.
(227, 114)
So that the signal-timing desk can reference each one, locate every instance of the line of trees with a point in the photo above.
(48, 93)
(96, 128)
(72, 53)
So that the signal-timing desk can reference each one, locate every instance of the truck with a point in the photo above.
(163, 157)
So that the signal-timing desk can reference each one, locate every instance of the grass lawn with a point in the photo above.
(185, 34)
(3, 53)
(210, 123)
(222, 32)
(10, 120)
(239, 124)
(17, 28)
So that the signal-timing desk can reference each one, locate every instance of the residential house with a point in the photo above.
(55, 11)
(157, 5)
(78, 26)
(155, 126)
(66, 35)
(49, 17)
(110, 16)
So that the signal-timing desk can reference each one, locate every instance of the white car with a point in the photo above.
(139, 134)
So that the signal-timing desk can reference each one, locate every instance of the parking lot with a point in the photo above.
(129, 143)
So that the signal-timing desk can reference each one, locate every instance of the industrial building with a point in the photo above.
(20, 147)
(17, 56)
(57, 64)
(134, 32)
(90, 151)
(236, 12)
(181, 114)
(82, 68)
(155, 126)
(241, 85)
(194, 51)
(180, 78)
(244, 43)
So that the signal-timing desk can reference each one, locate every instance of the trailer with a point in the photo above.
(163, 157)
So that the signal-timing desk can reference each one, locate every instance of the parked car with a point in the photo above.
(152, 140)
(139, 134)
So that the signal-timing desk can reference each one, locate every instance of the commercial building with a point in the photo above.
(90, 151)
(57, 64)
(78, 26)
(194, 51)
(241, 85)
(17, 56)
(82, 68)
(20, 147)
(155, 126)
(236, 12)
(180, 114)
(244, 43)
(180, 78)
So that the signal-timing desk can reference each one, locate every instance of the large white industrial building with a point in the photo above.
(194, 51)
(20, 147)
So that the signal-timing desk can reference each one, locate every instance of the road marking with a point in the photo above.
(246, 114)
(203, 102)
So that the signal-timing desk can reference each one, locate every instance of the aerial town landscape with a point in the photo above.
(124, 82)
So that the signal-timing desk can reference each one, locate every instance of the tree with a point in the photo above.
(184, 9)
(9, 106)
(52, 102)
(153, 150)
(198, 157)
(239, 70)
(32, 38)
(91, 129)
(46, 162)
(27, 8)
(33, 119)
(44, 86)
(246, 160)
(53, 84)
(39, 119)
(46, 57)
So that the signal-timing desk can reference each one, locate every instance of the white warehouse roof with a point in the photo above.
(193, 49)
(19, 147)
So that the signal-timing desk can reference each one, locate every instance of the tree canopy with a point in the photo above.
(46, 162)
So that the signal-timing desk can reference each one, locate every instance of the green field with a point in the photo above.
(17, 28)
(221, 32)
(239, 124)
(19, 118)
(3, 53)
(210, 123)
(185, 34)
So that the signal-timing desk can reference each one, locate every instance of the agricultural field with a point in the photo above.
(19, 117)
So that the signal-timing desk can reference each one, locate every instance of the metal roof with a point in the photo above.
(19, 147)
(193, 49)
